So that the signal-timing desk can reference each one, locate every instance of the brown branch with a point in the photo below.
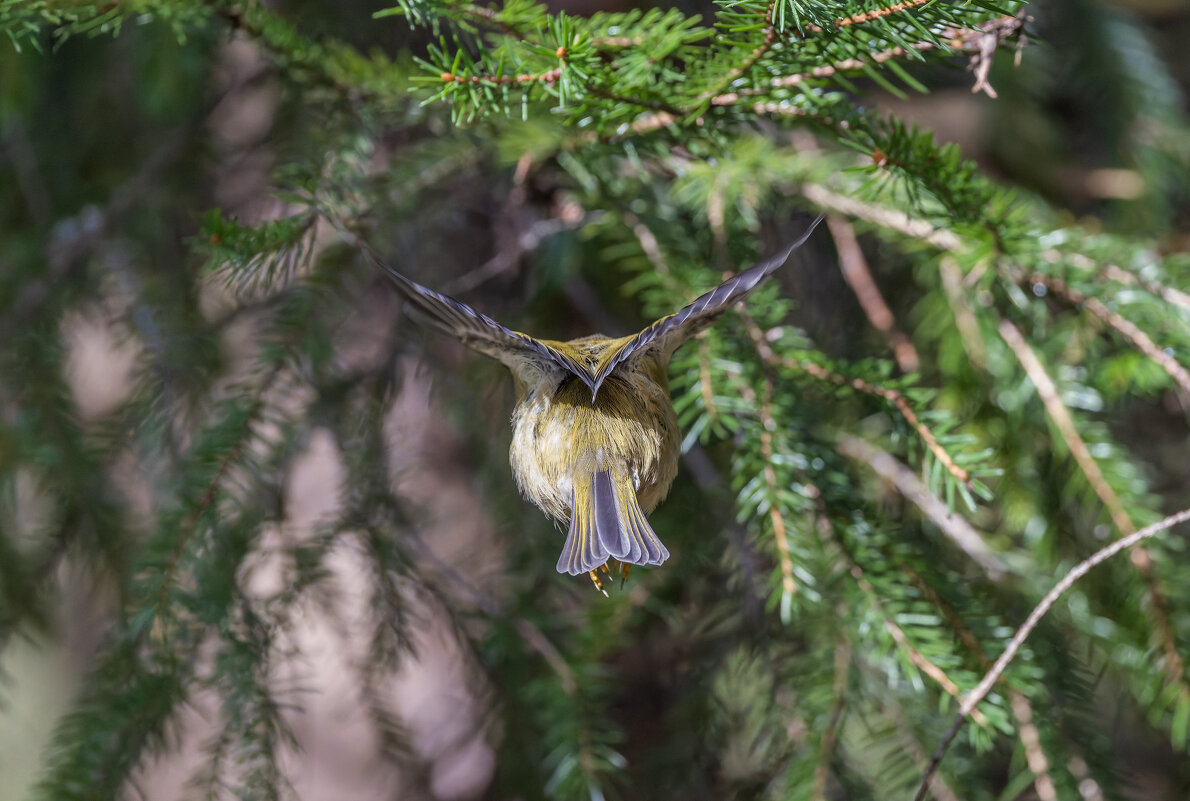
(900, 222)
(855, 271)
(1060, 415)
(1175, 668)
(770, 38)
(780, 530)
(977, 695)
(1130, 330)
(980, 43)
(868, 16)
(767, 426)
(902, 640)
(840, 556)
(955, 527)
(839, 692)
(549, 76)
(1022, 710)
(891, 395)
(843, 65)
(1171, 295)
(964, 317)
(896, 632)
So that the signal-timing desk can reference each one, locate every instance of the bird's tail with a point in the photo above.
(606, 522)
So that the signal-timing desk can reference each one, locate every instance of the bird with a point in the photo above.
(595, 439)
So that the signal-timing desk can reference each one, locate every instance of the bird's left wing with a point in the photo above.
(669, 332)
(473, 329)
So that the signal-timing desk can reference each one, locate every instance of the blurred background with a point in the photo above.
(112, 150)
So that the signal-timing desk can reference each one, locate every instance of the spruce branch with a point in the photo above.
(767, 426)
(976, 696)
(868, 16)
(1022, 709)
(956, 528)
(895, 631)
(1128, 329)
(764, 412)
(826, 750)
(1060, 415)
(892, 396)
(1115, 273)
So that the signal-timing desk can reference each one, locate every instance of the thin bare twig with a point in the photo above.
(1065, 423)
(977, 695)
(1022, 710)
(855, 271)
(960, 532)
(886, 218)
(1175, 668)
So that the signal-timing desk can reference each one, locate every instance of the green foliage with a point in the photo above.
(818, 620)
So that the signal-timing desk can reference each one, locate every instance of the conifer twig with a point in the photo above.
(1170, 294)
(954, 526)
(868, 16)
(780, 530)
(977, 695)
(895, 631)
(891, 395)
(1058, 412)
(1022, 710)
(898, 221)
(826, 750)
(965, 40)
(841, 556)
(1048, 392)
(1128, 329)
(767, 426)
(916, 657)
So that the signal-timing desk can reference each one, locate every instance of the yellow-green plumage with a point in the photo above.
(595, 440)
(573, 456)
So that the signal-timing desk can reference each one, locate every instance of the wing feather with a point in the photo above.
(669, 332)
(473, 329)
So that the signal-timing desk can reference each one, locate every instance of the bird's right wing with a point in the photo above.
(473, 329)
(666, 334)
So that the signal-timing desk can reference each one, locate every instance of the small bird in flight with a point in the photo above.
(595, 440)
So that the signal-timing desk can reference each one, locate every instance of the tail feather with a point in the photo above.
(606, 522)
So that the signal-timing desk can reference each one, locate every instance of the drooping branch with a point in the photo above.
(977, 695)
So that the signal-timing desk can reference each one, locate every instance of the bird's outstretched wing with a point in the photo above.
(666, 334)
(475, 330)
